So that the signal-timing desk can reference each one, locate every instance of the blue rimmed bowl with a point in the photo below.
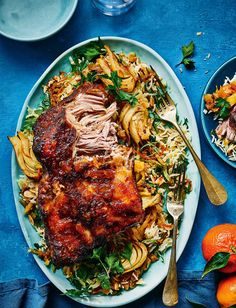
(228, 69)
(33, 20)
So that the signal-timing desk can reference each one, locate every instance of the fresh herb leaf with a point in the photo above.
(90, 51)
(80, 65)
(194, 304)
(75, 293)
(127, 252)
(165, 173)
(117, 267)
(152, 138)
(37, 246)
(33, 114)
(186, 122)
(224, 107)
(85, 54)
(115, 90)
(37, 218)
(168, 161)
(188, 63)
(114, 264)
(104, 280)
(187, 51)
(164, 200)
(91, 76)
(110, 260)
(82, 272)
(116, 79)
(97, 253)
(159, 254)
(213, 133)
(219, 260)
(124, 96)
(156, 119)
(188, 188)
(168, 125)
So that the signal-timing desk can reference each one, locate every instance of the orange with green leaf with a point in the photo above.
(219, 248)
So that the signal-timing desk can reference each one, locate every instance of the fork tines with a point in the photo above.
(165, 95)
(179, 180)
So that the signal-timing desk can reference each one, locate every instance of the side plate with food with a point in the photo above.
(218, 112)
(97, 162)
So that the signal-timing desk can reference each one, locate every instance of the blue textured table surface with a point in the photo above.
(163, 25)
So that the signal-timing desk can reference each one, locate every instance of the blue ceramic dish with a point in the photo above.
(228, 69)
(32, 20)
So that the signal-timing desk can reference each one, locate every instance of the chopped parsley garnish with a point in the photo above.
(224, 107)
(83, 56)
(90, 51)
(187, 52)
(77, 293)
(99, 267)
(115, 90)
(156, 119)
(186, 123)
(33, 114)
(91, 76)
(80, 65)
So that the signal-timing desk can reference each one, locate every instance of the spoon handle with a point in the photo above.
(215, 191)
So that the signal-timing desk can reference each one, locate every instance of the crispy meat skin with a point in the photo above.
(54, 137)
(85, 207)
(84, 200)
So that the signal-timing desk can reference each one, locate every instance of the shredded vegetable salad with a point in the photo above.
(222, 104)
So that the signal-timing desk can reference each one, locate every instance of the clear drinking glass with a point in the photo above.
(113, 7)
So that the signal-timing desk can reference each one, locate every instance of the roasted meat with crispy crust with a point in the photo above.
(54, 138)
(83, 208)
(88, 192)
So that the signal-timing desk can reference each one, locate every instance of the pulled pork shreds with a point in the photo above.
(92, 120)
(228, 127)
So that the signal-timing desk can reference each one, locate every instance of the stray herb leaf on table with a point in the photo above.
(187, 52)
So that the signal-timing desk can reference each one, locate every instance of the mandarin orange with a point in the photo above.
(221, 238)
(226, 292)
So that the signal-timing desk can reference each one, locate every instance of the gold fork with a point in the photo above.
(175, 208)
(167, 112)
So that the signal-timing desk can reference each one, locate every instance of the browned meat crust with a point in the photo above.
(54, 137)
(88, 192)
(85, 207)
